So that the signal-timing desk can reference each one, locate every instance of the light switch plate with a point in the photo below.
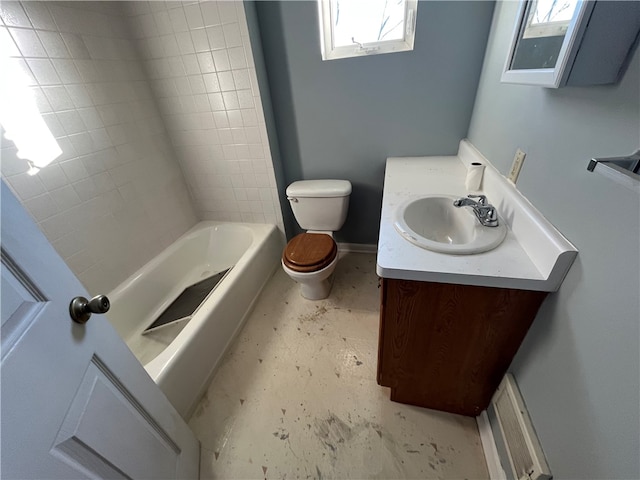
(516, 166)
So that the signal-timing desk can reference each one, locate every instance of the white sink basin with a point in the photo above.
(432, 222)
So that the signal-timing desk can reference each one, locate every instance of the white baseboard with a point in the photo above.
(357, 248)
(489, 446)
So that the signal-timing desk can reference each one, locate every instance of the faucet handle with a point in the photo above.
(487, 215)
(482, 199)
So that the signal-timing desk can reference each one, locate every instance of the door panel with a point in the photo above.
(21, 302)
(85, 441)
(75, 401)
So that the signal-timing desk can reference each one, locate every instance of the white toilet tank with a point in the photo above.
(320, 205)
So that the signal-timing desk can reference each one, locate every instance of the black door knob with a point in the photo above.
(81, 309)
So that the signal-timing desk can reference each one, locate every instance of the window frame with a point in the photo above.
(547, 77)
(329, 52)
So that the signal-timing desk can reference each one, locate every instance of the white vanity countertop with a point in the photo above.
(512, 264)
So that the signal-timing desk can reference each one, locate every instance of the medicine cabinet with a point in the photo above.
(558, 43)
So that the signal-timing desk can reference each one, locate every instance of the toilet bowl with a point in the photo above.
(310, 259)
(320, 206)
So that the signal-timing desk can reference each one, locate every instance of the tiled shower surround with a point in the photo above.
(121, 93)
(199, 61)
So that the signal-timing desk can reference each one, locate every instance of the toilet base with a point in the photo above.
(314, 285)
(317, 290)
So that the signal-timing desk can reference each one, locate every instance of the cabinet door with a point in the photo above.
(394, 350)
(386, 332)
(447, 346)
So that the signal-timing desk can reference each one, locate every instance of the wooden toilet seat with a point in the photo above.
(309, 252)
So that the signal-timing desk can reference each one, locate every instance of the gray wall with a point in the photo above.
(578, 367)
(342, 118)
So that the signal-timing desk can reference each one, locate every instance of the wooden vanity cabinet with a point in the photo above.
(445, 346)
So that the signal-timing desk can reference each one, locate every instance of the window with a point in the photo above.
(352, 28)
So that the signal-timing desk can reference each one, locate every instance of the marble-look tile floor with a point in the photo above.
(296, 396)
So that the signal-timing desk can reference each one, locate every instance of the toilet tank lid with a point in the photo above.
(319, 188)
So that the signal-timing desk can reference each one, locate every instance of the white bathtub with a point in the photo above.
(182, 358)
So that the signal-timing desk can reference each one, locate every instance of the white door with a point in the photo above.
(75, 401)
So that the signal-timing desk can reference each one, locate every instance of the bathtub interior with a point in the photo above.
(147, 293)
(188, 302)
(149, 346)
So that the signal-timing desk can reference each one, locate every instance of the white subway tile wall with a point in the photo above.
(116, 197)
(198, 58)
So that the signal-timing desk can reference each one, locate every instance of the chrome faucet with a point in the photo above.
(485, 212)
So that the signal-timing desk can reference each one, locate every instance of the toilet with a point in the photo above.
(320, 207)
